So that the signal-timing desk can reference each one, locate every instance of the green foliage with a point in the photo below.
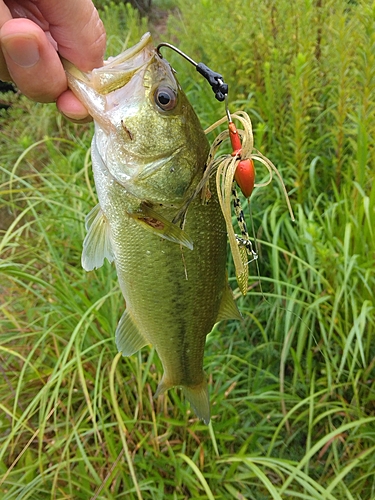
(293, 386)
(143, 6)
(124, 26)
(305, 72)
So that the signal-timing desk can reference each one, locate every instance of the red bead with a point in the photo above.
(245, 176)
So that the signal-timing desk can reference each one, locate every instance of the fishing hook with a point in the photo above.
(216, 81)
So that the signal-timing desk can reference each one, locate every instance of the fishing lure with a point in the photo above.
(227, 176)
(236, 168)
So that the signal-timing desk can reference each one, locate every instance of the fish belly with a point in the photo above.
(172, 293)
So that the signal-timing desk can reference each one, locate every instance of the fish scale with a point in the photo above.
(149, 155)
(184, 287)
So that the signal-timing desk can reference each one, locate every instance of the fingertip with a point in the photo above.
(68, 104)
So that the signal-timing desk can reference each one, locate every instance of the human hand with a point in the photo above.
(34, 33)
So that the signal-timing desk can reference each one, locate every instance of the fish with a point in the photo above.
(169, 245)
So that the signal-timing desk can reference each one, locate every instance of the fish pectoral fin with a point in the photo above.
(128, 337)
(228, 308)
(160, 226)
(97, 243)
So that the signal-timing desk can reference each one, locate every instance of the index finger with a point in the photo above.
(77, 29)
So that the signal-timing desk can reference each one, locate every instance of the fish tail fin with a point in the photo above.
(199, 399)
(197, 396)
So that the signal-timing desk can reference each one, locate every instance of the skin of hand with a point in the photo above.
(32, 35)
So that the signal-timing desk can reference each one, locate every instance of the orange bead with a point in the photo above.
(234, 138)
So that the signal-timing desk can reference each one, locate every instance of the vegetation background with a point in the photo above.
(293, 386)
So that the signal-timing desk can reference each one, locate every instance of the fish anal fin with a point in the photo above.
(128, 337)
(163, 386)
(152, 221)
(97, 243)
(228, 308)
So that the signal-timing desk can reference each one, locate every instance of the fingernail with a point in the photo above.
(23, 50)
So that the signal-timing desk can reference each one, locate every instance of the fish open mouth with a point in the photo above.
(118, 71)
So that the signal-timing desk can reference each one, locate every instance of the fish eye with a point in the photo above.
(165, 98)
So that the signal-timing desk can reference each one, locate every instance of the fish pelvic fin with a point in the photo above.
(97, 243)
(197, 396)
(228, 308)
(128, 337)
(154, 222)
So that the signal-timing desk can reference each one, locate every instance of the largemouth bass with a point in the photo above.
(169, 246)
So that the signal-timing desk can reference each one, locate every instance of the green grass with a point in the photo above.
(293, 386)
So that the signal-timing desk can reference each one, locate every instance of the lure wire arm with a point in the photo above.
(227, 109)
(216, 81)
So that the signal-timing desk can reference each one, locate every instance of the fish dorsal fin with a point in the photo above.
(128, 337)
(152, 221)
(228, 308)
(97, 243)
